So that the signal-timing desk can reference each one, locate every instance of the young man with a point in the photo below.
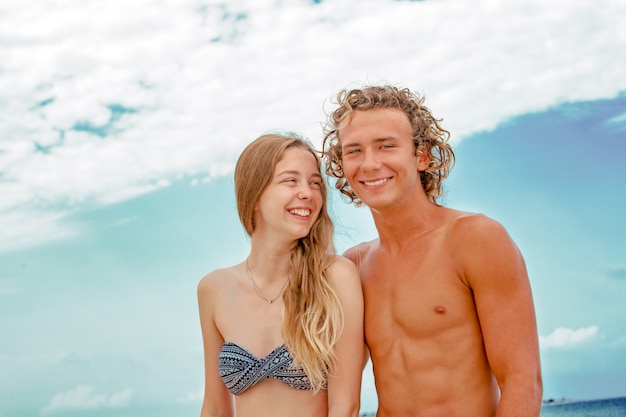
(449, 316)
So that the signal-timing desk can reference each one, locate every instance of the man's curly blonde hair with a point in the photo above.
(428, 136)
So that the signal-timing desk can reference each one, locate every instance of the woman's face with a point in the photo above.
(292, 201)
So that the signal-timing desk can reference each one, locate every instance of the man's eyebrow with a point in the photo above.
(377, 140)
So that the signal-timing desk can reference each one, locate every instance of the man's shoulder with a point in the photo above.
(359, 252)
(473, 225)
(473, 236)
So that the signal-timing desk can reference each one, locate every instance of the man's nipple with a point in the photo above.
(440, 309)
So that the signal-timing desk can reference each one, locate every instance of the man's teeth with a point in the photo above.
(301, 212)
(377, 182)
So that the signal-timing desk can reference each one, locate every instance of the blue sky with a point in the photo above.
(120, 123)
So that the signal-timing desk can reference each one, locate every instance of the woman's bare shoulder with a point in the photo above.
(340, 263)
(343, 272)
(217, 279)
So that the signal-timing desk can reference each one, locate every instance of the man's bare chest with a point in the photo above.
(413, 296)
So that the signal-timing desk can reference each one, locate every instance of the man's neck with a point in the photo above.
(396, 225)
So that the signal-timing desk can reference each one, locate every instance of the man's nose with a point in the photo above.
(370, 161)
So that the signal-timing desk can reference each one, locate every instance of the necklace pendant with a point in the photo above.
(256, 288)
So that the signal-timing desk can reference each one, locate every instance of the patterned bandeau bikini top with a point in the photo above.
(241, 370)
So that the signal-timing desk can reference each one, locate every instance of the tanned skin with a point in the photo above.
(231, 310)
(449, 316)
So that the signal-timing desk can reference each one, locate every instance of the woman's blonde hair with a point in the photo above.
(312, 316)
(428, 135)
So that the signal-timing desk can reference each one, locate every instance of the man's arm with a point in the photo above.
(496, 272)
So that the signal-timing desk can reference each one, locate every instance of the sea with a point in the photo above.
(610, 407)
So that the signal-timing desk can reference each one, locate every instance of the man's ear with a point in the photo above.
(423, 160)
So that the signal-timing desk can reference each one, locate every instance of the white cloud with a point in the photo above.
(104, 101)
(27, 227)
(83, 397)
(619, 121)
(120, 399)
(621, 341)
(192, 397)
(564, 338)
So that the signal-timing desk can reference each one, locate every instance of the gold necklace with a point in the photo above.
(258, 291)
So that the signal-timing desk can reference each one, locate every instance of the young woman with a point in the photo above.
(282, 330)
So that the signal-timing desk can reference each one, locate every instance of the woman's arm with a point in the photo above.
(218, 401)
(344, 384)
